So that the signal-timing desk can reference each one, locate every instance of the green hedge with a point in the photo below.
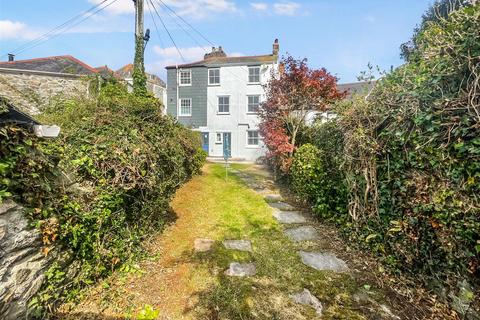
(103, 185)
(410, 161)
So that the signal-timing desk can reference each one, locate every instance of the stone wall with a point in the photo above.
(22, 262)
(29, 91)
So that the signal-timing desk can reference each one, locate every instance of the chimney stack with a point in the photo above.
(216, 53)
(11, 57)
(276, 47)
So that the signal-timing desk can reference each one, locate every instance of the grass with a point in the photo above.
(182, 284)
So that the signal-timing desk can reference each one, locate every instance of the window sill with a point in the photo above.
(248, 146)
(252, 113)
(214, 84)
(253, 83)
(185, 85)
(223, 113)
(184, 115)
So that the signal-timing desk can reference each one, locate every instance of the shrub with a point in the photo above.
(316, 175)
(104, 184)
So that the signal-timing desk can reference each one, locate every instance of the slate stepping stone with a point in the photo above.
(282, 206)
(303, 233)
(203, 245)
(307, 298)
(323, 261)
(289, 217)
(241, 269)
(241, 245)
(273, 198)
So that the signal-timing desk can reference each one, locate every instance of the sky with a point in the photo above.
(343, 36)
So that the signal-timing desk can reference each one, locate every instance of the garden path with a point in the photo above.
(240, 249)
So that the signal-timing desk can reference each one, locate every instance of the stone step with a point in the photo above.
(323, 261)
(306, 298)
(241, 245)
(289, 217)
(203, 245)
(241, 270)
(282, 206)
(273, 198)
(302, 233)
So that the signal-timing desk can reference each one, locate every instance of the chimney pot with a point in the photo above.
(276, 47)
(11, 57)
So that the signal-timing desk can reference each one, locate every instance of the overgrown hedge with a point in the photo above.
(102, 186)
(411, 162)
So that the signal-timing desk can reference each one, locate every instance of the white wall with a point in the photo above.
(234, 83)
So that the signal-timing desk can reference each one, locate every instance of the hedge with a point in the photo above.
(103, 186)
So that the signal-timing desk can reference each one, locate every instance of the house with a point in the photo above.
(155, 85)
(219, 96)
(31, 84)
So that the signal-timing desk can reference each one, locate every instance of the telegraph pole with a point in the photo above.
(139, 78)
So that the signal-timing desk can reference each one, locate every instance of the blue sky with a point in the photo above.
(341, 35)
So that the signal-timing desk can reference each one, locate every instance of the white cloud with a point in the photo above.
(260, 6)
(286, 8)
(16, 30)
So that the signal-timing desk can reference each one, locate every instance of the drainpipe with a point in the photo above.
(178, 96)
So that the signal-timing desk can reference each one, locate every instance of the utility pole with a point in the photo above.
(139, 78)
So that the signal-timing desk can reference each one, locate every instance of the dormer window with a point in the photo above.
(254, 75)
(185, 77)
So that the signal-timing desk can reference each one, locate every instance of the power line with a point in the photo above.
(188, 24)
(168, 32)
(59, 27)
(155, 23)
(68, 28)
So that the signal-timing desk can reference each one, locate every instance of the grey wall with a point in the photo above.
(197, 92)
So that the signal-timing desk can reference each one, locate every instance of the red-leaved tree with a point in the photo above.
(291, 94)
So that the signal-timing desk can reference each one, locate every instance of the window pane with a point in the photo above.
(185, 77)
(214, 76)
(253, 138)
(223, 104)
(253, 103)
(185, 107)
(254, 74)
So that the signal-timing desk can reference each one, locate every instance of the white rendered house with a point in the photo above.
(219, 97)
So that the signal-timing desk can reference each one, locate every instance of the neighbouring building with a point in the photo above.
(155, 85)
(31, 84)
(219, 96)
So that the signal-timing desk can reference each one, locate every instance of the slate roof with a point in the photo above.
(221, 61)
(106, 72)
(58, 64)
(15, 116)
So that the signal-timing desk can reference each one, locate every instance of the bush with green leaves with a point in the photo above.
(315, 172)
(104, 185)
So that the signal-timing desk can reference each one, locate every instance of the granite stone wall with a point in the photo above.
(29, 91)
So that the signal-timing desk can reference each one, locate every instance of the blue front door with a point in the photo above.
(205, 141)
(227, 145)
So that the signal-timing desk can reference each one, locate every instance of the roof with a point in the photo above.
(220, 61)
(14, 116)
(105, 72)
(356, 87)
(57, 64)
(127, 72)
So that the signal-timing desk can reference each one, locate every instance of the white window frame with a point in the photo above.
(218, 103)
(221, 137)
(219, 77)
(180, 78)
(258, 138)
(251, 68)
(180, 114)
(248, 103)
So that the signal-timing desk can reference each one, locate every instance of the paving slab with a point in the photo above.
(203, 245)
(289, 217)
(273, 198)
(282, 206)
(302, 233)
(305, 297)
(241, 270)
(323, 261)
(241, 245)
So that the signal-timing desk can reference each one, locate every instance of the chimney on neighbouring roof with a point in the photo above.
(276, 47)
(11, 57)
(216, 53)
